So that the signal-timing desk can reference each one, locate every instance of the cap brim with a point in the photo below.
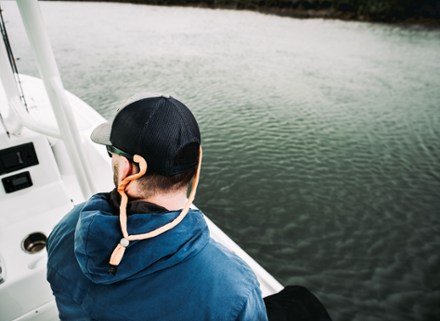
(101, 134)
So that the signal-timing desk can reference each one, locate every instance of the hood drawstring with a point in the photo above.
(118, 252)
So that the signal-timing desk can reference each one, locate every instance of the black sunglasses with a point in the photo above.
(113, 150)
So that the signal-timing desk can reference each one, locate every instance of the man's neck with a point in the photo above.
(171, 201)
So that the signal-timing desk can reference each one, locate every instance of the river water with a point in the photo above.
(321, 138)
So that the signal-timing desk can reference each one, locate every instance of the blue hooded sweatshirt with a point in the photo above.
(179, 275)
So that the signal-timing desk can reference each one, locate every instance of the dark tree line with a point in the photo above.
(375, 10)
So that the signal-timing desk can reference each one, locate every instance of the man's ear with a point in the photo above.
(125, 168)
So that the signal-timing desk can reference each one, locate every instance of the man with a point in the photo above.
(140, 252)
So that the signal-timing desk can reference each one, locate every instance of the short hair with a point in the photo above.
(152, 182)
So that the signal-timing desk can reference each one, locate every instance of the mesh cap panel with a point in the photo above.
(157, 128)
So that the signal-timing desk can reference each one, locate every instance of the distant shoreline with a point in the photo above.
(416, 12)
(336, 15)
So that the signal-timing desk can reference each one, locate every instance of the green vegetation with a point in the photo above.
(373, 10)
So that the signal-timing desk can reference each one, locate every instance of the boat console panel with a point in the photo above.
(33, 199)
(16, 158)
(17, 182)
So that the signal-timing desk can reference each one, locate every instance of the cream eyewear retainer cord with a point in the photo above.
(118, 252)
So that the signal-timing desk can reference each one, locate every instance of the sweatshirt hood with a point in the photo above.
(98, 232)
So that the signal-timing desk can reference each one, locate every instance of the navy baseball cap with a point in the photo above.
(156, 128)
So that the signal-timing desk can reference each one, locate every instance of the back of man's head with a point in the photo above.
(160, 129)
